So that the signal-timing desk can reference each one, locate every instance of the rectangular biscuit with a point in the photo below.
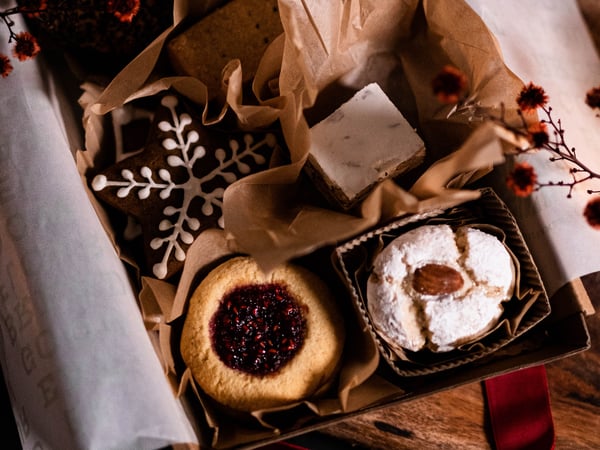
(241, 29)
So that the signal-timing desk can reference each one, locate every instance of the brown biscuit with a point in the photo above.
(242, 29)
(175, 187)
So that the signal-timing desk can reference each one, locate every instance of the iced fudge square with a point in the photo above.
(363, 142)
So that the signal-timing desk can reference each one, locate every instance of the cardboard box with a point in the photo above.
(543, 335)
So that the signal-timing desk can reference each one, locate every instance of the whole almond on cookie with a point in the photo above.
(437, 279)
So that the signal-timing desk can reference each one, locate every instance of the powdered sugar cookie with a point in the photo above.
(437, 288)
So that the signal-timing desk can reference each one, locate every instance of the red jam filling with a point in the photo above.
(258, 328)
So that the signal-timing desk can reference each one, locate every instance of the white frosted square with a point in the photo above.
(364, 141)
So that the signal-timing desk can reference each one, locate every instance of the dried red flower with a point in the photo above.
(124, 10)
(26, 46)
(592, 97)
(32, 8)
(592, 212)
(522, 179)
(449, 85)
(532, 97)
(538, 134)
(5, 66)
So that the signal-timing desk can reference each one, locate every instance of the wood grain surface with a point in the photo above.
(457, 419)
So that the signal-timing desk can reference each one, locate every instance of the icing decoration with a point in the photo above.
(185, 171)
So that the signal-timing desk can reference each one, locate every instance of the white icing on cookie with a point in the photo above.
(366, 140)
(185, 155)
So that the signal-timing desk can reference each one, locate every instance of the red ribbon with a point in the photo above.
(519, 408)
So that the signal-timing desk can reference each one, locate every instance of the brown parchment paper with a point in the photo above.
(345, 45)
(328, 47)
(149, 73)
(353, 387)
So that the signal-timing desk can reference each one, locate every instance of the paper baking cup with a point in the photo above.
(528, 306)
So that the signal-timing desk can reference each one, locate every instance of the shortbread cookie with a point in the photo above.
(241, 29)
(254, 340)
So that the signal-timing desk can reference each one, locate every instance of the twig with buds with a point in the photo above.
(544, 134)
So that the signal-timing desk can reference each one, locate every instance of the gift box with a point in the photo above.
(75, 310)
(370, 377)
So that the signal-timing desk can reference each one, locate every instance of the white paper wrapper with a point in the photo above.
(77, 360)
(549, 44)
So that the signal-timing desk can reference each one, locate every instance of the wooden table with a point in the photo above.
(457, 419)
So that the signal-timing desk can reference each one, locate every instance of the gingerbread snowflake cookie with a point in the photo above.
(175, 187)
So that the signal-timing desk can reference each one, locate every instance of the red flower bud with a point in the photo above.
(449, 85)
(522, 180)
(532, 97)
(592, 212)
(5, 66)
(124, 10)
(26, 46)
